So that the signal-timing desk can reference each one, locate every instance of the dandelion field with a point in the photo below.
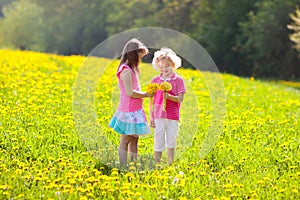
(43, 157)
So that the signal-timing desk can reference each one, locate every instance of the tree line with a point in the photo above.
(248, 38)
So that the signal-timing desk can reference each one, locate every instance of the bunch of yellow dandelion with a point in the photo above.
(165, 86)
(152, 88)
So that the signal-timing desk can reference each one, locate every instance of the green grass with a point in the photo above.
(43, 156)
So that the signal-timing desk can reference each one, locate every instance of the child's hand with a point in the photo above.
(148, 94)
(152, 123)
(166, 95)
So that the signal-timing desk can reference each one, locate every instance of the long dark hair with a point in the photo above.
(131, 51)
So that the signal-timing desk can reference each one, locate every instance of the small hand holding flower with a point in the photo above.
(166, 95)
(165, 86)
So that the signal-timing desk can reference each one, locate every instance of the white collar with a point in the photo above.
(172, 77)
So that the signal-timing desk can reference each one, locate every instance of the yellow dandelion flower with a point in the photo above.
(281, 191)
(165, 86)
(152, 88)
(260, 182)
(181, 183)
(111, 190)
(19, 171)
(72, 181)
(81, 189)
(295, 191)
(130, 175)
(113, 169)
(202, 173)
(90, 194)
(138, 164)
(153, 186)
(6, 193)
(4, 187)
(114, 173)
(230, 168)
(234, 195)
(98, 173)
(37, 179)
(124, 192)
(284, 181)
(253, 193)
(137, 194)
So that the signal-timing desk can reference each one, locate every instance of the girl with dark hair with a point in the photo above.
(130, 119)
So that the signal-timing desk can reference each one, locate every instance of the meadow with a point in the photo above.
(44, 156)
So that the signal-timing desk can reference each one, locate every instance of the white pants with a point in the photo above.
(165, 134)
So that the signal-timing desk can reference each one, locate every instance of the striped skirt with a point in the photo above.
(130, 123)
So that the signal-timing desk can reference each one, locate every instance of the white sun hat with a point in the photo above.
(166, 52)
(134, 44)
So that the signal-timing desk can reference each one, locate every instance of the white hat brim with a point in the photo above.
(175, 59)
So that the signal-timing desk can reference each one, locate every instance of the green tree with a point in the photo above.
(95, 14)
(125, 14)
(22, 24)
(73, 26)
(267, 46)
(295, 26)
(4, 3)
(63, 27)
(174, 14)
(216, 28)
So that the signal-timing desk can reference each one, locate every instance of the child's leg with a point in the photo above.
(133, 147)
(124, 141)
(171, 153)
(157, 156)
(171, 136)
(159, 138)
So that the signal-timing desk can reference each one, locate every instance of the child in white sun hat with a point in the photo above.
(165, 121)
(166, 52)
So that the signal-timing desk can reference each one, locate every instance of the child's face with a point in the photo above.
(166, 67)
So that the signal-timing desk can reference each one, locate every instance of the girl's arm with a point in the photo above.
(127, 81)
(178, 98)
(151, 108)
